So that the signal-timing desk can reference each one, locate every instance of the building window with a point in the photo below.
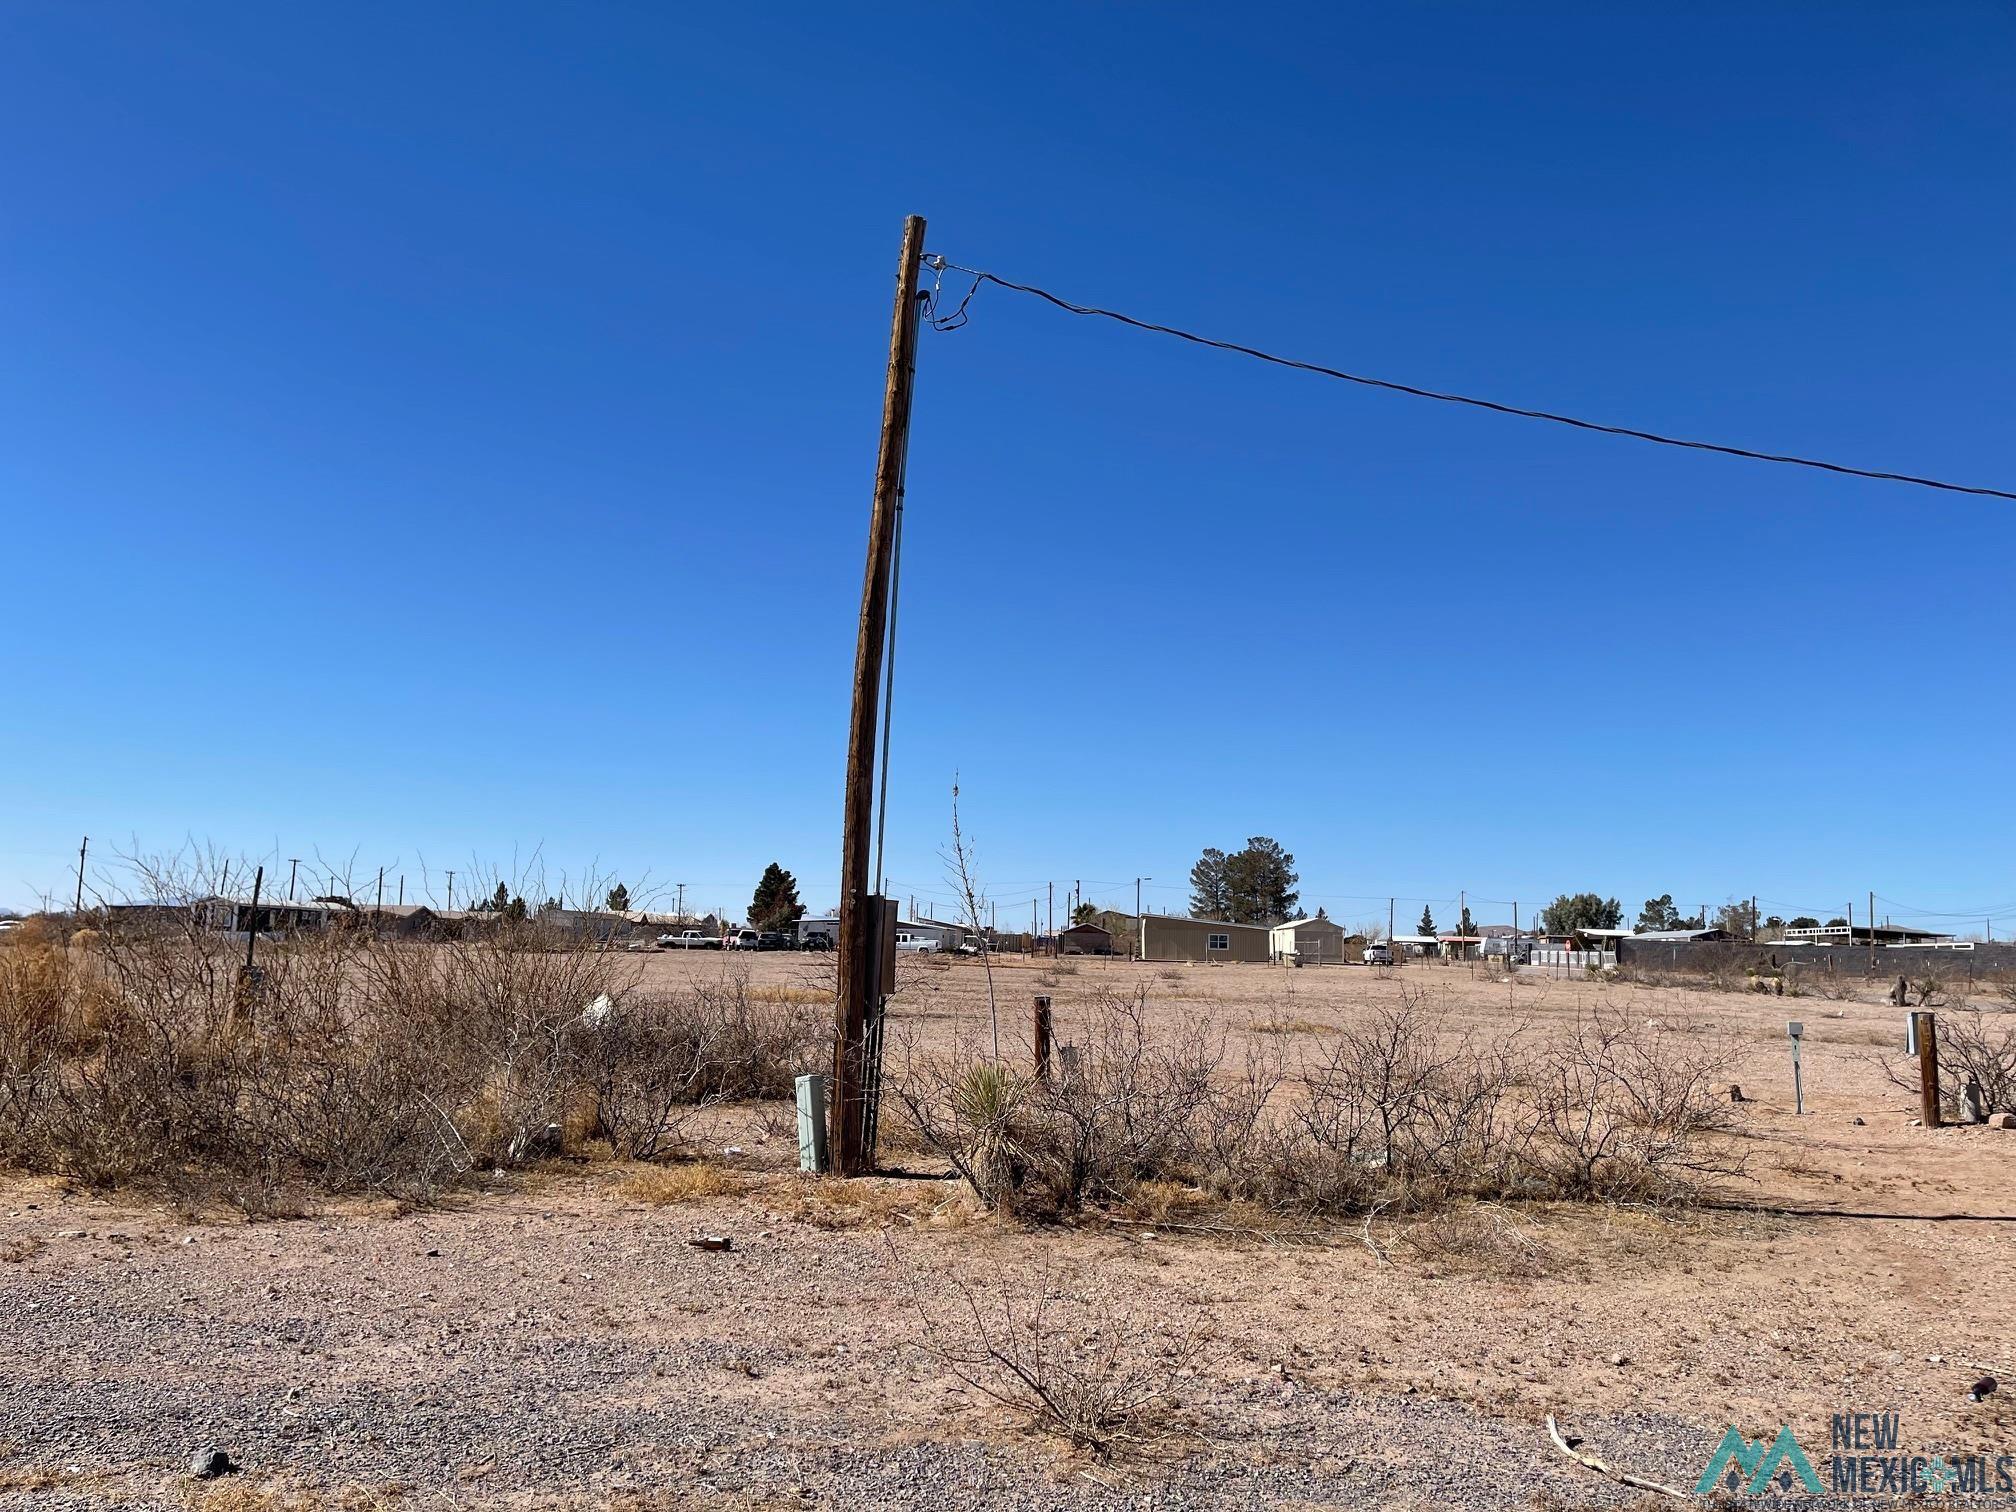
(1219, 942)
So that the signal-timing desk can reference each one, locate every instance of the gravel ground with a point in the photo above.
(563, 1348)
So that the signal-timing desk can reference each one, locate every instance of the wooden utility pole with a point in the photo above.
(293, 870)
(80, 875)
(252, 920)
(1928, 1069)
(1872, 930)
(380, 908)
(855, 960)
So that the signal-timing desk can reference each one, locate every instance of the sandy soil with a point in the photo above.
(555, 1339)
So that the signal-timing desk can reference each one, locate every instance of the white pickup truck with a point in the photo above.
(689, 939)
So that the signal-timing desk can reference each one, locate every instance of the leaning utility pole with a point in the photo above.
(80, 875)
(859, 970)
(293, 869)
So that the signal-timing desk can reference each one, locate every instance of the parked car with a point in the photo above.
(741, 939)
(1379, 955)
(818, 939)
(773, 939)
(969, 948)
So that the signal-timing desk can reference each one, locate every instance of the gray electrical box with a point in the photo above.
(881, 941)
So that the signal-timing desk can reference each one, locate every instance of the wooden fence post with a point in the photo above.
(1928, 1068)
(1043, 1038)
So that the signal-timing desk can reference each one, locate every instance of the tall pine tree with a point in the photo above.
(775, 905)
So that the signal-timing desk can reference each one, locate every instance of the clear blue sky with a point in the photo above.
(445, 433)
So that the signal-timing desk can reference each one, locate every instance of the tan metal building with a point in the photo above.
(1316, 942)
(1164, 937)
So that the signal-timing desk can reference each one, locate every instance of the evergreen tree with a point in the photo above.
(1085, 913)
(1659, 913)
(1208, 897)
(498, 901)
(618, 900)
(775, 905)
(1427, 926)
(1464, 926)
(515, 910)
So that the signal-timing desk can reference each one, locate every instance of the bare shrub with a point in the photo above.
(1974, 1048)
(1629, 1111)
(350, 1061)
(1068, 1366)
(1397, 1111)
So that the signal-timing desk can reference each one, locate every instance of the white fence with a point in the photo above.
(1574, 958)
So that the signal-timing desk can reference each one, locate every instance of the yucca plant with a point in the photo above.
(985, 1102)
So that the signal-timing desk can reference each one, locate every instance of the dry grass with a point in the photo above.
(246, 1494)
(665, 1186)
(872, 1202)
(1289, 1026)
(775, 992)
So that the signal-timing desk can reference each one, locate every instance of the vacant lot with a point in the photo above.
(555, 1340)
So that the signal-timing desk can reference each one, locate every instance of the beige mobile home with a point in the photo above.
(1167, 938)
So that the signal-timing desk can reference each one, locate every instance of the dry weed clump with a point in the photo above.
(1396, 1112)
(666, 1186)
(350, 1062)
(1066, 1363)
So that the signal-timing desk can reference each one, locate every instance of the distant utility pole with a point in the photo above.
(680, 907)
(252, 919)
(80, 874)
(1389, 920)
(293, 870)
(381, 891)
(858, 968)
(1050, 907)
(1872, 929)
(451, 889)
(402, 889)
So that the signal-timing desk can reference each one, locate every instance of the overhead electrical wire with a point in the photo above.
(957, 316)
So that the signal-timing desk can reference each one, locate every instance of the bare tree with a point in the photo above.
(973, 905)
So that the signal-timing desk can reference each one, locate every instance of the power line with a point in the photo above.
(952, 320)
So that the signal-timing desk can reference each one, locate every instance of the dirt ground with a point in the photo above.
(555, 1340)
